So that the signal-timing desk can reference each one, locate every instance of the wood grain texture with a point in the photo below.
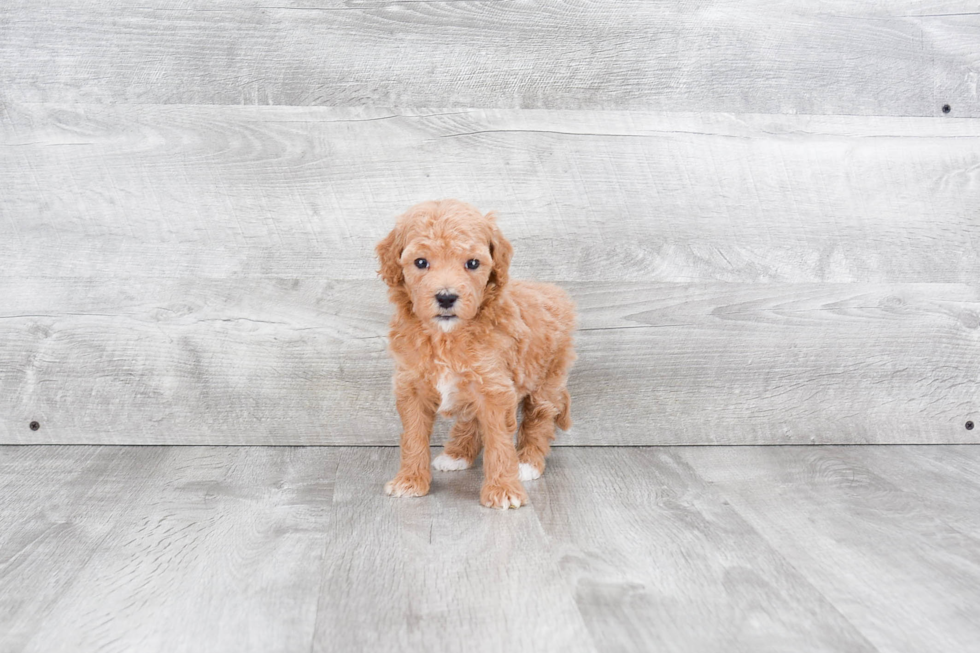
(302, 361)
(898, 566)
(57, 507)
(206, 275)
(170, 191)
(659, 561)
(900, 58)
(228, 549)
(216, 554)
(930, 474)
(438, 573)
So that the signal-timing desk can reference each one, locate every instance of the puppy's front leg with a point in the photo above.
(498, 419)
(417, 409)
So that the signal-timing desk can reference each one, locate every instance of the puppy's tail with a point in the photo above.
(564, 418)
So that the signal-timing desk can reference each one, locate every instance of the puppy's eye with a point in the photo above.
(421, 263)
(472, 264)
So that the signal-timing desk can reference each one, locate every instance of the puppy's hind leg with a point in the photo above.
(542, 411)
(462, 449)
(535, 436)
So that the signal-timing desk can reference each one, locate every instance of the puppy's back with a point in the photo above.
(544, 306)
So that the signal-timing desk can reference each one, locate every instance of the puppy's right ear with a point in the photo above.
(389, 253)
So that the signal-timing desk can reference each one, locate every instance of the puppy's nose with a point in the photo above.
(446, 299)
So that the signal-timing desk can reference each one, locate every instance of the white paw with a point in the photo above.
(395, 488)
(446, 463)
(503, 496)
(510, 501)
(528, 472)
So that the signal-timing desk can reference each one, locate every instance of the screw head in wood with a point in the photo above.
(35, 426)
(947, 108)
(969, 426)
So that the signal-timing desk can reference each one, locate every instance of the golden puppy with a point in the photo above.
(471, 344)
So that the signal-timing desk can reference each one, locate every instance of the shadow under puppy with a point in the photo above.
(471, 344)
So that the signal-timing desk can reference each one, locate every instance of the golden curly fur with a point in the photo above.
(472, 344)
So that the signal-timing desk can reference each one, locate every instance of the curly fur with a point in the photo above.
(503, 344)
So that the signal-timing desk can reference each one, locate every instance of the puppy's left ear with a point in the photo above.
(389, 253)
(501, 253)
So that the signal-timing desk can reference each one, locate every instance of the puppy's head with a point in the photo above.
(445, 262)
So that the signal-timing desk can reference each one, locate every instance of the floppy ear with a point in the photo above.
(389, 253)
(501, 253)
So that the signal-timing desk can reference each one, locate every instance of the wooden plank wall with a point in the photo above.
(769, 224)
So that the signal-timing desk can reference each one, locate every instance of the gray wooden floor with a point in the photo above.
(854, 548)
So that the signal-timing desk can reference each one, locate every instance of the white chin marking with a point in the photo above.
(446, 463)
(447, 325)
(528, 472)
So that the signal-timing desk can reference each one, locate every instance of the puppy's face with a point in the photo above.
(446, 277)
(449, 260)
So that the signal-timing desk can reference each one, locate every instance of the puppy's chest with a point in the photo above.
(454, 389)
(448, 387)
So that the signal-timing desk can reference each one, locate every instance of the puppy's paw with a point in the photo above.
(528, 472)
(407, 486)
(503, 495)
(446, 463)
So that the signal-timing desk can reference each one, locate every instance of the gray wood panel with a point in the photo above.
(900, 567)
(928, 474)
(303, 361)
(297, 549)
(659, 562)
(438, 573)
(219, 552)
(132, 192)
(57, 506)
(898, 58)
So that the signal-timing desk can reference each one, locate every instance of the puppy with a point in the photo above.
(469, 343)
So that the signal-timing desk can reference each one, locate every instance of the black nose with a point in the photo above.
(446, 300)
